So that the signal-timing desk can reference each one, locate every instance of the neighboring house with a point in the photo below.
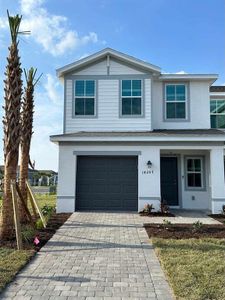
(133, 135)
(37, 177)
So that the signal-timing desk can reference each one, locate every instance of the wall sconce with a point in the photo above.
(149, 164)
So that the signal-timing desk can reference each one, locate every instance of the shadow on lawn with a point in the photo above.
(190, 245)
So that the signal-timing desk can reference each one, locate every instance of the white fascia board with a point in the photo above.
(140, 139)
(210, 77)
(217, 94)
(111, 52)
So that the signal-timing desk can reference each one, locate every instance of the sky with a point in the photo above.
(177, 35)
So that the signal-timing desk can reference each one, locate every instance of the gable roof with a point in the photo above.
(104, 53)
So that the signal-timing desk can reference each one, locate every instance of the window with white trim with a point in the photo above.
(131, 97)
(217, 113)
(194, 172)
(84, 102)
(176, 99)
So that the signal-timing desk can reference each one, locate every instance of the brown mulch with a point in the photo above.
(184, 231)
(218, 217)
(55, 221)
(156, 214)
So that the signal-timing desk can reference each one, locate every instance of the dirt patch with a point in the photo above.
(184, 231)
(156, 214)
(218, 217)
(55, 221)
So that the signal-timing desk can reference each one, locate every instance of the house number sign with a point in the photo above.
(148, 172)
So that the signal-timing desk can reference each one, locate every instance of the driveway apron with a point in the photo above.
(94, 255)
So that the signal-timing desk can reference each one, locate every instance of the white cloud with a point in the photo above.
(48, 112)
(51, 86)
(50, 31)
(181, 72)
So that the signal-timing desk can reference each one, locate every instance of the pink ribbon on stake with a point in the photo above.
(36, 241)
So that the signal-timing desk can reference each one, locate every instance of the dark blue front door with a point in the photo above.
(169, 181)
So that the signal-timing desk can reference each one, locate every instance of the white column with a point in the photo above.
(217, 179)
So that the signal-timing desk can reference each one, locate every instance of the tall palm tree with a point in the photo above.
(11, 125)
(27, 127)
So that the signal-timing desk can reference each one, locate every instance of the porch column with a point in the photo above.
(217, 179)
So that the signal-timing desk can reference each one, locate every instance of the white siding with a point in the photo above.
(108, 118)
(116, 68)
(199, 107)
(96, 69)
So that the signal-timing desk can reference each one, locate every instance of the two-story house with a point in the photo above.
(133, 135)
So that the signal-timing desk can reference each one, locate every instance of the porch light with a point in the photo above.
(149, 164)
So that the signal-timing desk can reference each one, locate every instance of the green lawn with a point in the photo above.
(11, 260)
(195, 267)
(43, 200)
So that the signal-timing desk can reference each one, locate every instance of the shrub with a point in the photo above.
(148, 208)
(28, 233)
(223, 209)
(166, 224)
(164, 207)
(197, 225)
(39, 224)
(47, 210)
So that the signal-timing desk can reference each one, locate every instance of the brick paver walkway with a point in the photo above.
(94, 256)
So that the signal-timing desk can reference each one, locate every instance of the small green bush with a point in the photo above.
(39, 224)
(28, 233)
(197, 225)
(47, 210)
(166, 224)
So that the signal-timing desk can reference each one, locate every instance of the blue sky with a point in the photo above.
(177, 35)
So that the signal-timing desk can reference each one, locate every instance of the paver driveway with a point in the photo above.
(94, 256)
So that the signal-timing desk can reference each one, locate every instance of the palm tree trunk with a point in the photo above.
(24, 162)
(11, 123)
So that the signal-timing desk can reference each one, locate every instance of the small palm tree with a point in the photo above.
(27, 127)
(11, 124)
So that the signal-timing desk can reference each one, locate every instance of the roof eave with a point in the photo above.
(108, 51)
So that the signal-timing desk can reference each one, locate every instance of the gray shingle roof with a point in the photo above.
(217, 88)
(180, 132)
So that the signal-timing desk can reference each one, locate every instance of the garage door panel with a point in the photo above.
(105, 183)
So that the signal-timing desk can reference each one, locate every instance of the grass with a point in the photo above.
(43, 199)
(195, 267)
(11, 261)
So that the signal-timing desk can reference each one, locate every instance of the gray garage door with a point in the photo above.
(106, 183)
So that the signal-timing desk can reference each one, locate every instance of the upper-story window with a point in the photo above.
(176, 99)
(217, 113)
(84, 102)
(131, 96)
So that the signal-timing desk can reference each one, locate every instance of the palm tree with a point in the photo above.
(11, 125)
(26, 127)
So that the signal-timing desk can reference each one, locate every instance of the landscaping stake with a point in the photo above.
(32, 198)
(16, 217)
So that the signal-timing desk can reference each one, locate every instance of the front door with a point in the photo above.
(169, 181)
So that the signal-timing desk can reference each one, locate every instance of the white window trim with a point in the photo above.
(83, 97)
(176, 101)
(121, 99)
(202, 172)
(216, 114)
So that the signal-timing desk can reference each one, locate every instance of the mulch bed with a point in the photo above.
(55, 221)
(218, 217)
(184, 231)
(156, 214)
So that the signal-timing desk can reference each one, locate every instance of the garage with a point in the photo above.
(107, 183)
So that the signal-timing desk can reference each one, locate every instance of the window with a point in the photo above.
(217, 113)
(84, 98)
(131, 97)
(175, 97)
(194, 170)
